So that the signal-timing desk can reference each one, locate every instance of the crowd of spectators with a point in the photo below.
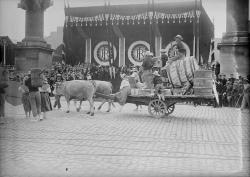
(65, 72)
(230, 90)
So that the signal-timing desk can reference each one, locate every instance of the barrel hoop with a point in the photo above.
(185, 69)
(178, 73)
(191, 67)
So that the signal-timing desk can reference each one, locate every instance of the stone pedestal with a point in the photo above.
(28, 57)
(33, 51)
(234, 52)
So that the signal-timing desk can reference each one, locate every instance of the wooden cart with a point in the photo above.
(161, 107)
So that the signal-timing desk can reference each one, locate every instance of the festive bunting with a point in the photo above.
(116, 19)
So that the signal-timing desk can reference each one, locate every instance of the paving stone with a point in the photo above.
(192, 141)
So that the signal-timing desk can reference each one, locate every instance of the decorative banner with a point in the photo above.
(117, 19)
(101, 53)
(171, 49)
(136, 52)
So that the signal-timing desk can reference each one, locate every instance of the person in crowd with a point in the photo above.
(157, 79)
(231, 79)
(35, 98)
(147, 65)
(88, 77)
(57, 95)
(246, 94)
(217, 69)
(223, 79)
(23, 89)
(45, 99)
(158, 84)
(164, 57)
(235, 93)
(220, 89)
(3, 85)
(229, 89)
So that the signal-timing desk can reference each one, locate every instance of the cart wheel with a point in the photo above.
(157, 108)
(170, 109)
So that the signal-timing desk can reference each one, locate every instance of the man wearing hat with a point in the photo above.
(180, 50)
(164, 57)
(246, 94)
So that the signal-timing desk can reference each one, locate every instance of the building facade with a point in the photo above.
(120, 34)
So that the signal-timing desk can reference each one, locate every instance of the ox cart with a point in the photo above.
(162, 105)
(203, 90)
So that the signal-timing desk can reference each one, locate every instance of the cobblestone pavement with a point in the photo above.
(193, 141)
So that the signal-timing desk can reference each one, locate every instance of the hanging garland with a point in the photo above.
(143, 18)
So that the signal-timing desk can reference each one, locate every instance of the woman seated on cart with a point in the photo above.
(135, 79)
(125, 90)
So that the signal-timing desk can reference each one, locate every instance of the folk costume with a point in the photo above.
(45, 99)
(25, 98)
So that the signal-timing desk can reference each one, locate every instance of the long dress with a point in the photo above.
(45, 99)
(125, 90)
(25, 98)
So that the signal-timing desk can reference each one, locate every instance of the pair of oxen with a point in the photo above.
(85, 90)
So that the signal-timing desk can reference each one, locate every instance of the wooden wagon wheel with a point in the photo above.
(157, 108)
(170, 109)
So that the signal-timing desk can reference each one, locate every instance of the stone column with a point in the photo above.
(33, 51)
(234, 58)
(34, 25)
(158, 41)
(122, 51)
(88, 51)
(234, 53)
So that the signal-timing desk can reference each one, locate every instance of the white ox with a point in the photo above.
(102, 87)
(78, 90)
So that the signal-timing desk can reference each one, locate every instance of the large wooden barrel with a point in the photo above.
(36, 78)
(182, 71)
(203, 83)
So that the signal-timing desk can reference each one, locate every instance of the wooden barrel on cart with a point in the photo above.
(203, 83)
(182, 71)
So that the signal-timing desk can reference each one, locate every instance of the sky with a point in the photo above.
(12, 19)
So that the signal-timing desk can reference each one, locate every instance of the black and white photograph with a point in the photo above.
(124, 88)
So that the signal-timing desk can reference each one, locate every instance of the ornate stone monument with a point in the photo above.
(33, 51)
(234, 48)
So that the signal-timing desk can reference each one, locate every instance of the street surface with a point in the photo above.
(192, 141)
